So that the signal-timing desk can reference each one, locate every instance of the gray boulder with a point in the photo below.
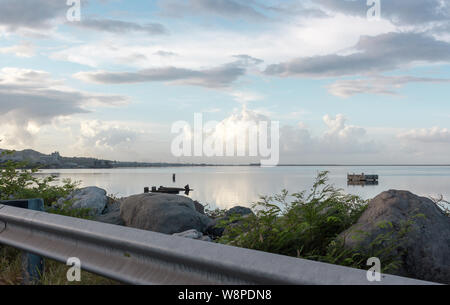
(164, 213)
(92, 197)
(426, 246)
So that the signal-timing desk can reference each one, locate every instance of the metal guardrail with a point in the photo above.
(32, 265)
(135, 256)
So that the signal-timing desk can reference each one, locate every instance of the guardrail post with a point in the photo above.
(32, 264)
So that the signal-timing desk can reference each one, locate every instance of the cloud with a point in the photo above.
(31, 14)
(165, 53)
(338, 129)
(121, 27)
(338, 138)
(197, 46)
(30, 99)
(401, 12)
(216, 77)
(106, 135)
(427, 135)
(248, 10)
(371, 54)
(382, 85)
(24, 49)
(245, 97)
(223, 8)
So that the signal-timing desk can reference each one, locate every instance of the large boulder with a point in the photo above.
(164, 213)
(425, 248)
(92, 198)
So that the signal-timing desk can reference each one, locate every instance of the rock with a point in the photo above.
(426, 245)
(92, 197)
(217, 231)
(164, 213)
(238, 210)
(193, 234)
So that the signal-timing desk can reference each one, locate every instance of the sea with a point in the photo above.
(227, 186)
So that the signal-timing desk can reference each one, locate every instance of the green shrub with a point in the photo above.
(307, 225)
(19, 182)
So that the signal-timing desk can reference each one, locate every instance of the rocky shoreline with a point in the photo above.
(427, 244)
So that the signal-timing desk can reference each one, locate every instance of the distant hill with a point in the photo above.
(55, 160)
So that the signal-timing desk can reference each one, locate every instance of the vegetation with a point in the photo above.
(309, 226)
(17, 182)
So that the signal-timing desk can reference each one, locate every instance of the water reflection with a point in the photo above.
(225, 187)
(362, 183)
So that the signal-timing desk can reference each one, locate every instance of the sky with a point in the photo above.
(345, 88)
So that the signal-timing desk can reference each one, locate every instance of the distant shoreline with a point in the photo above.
(56, 161)
(253, 165)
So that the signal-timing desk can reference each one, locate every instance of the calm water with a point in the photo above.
(225, 187)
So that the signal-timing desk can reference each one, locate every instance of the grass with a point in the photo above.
(54, 272)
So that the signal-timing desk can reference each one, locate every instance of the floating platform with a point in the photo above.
(169, 190)
(362, 179)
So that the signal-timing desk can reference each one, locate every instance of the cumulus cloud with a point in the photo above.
(121, 27)
(381, 85)
(339, 138)
(216, 77)
(30, 99)
(297, 141)
(106, 135)
(427, 135)
(338, 129)
(371, 54)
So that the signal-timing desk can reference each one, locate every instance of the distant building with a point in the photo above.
(55, 156)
